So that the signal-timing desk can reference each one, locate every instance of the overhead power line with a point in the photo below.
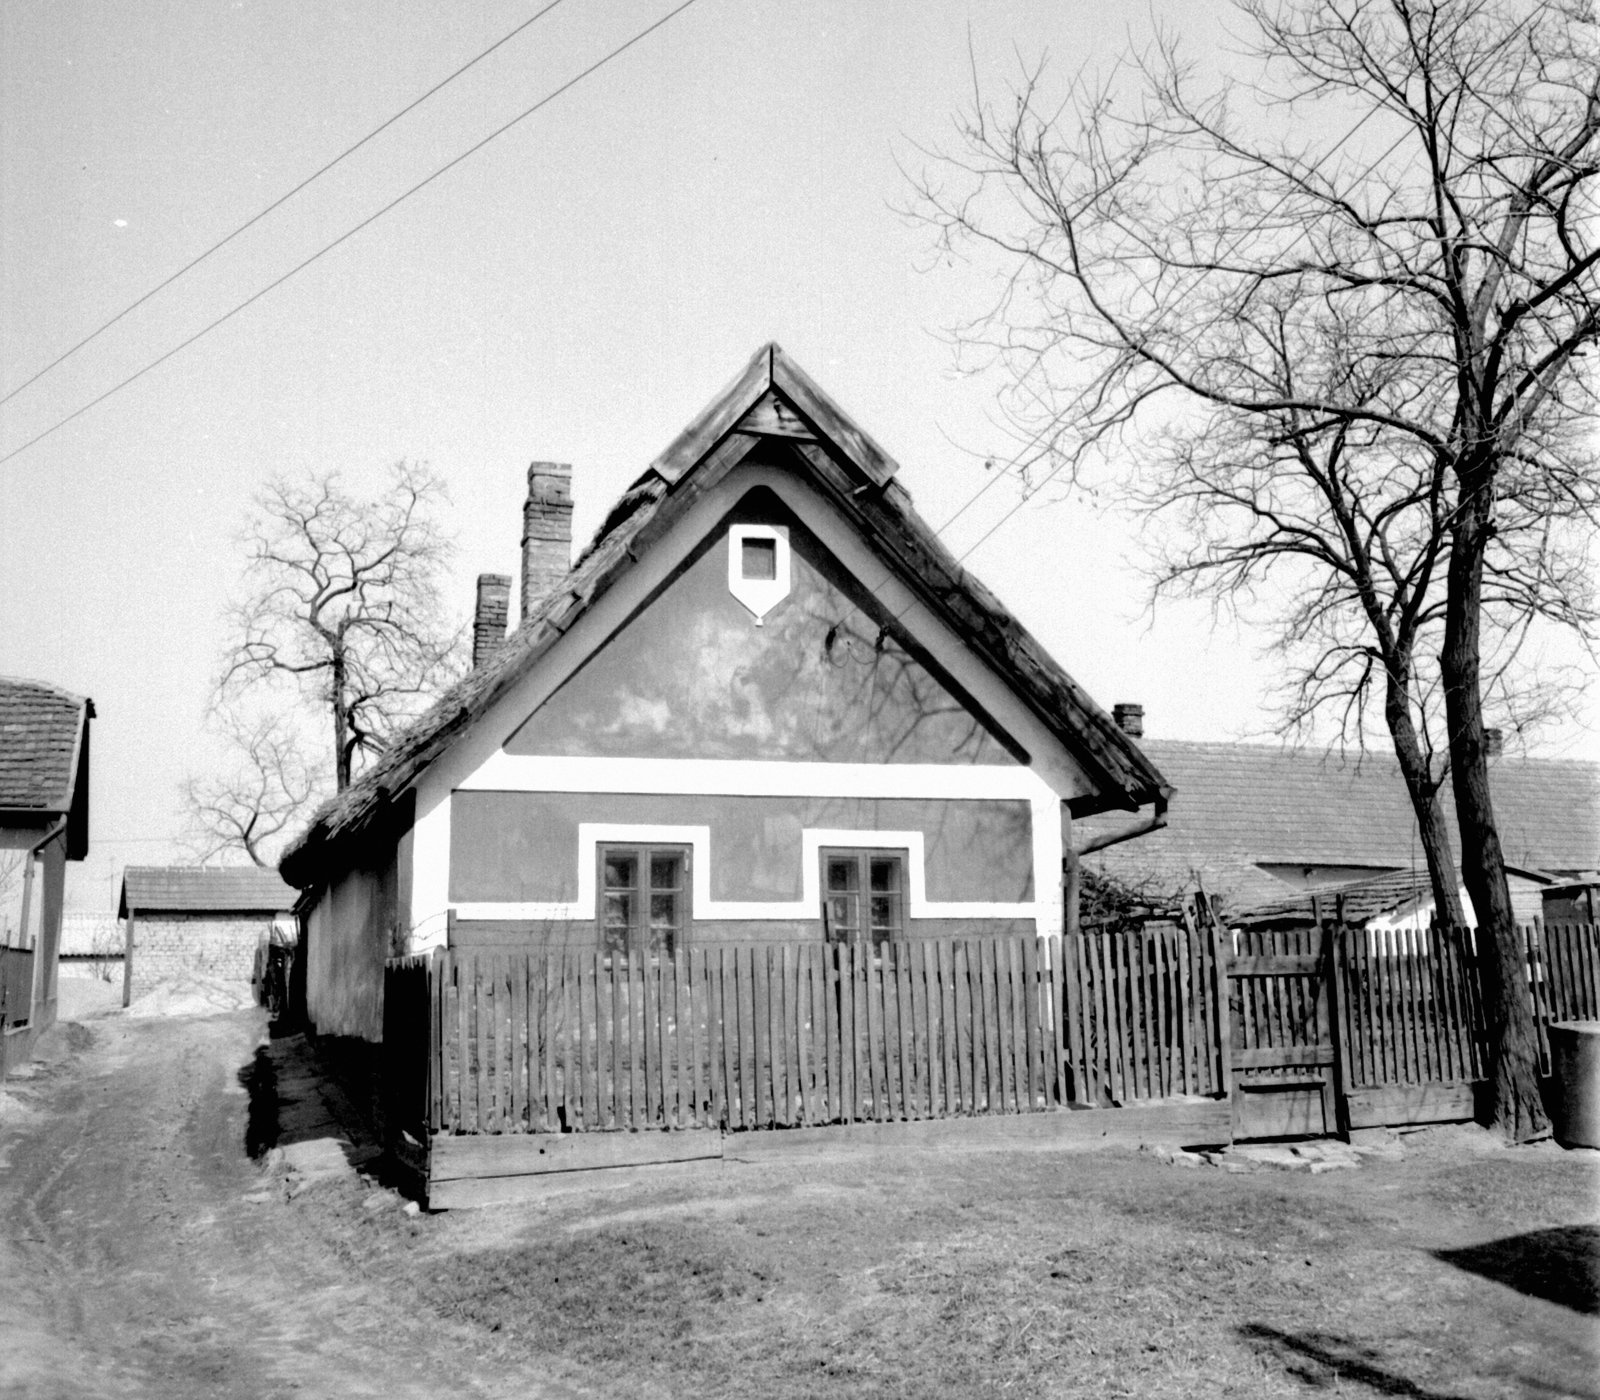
(280, 201)
(349, 233)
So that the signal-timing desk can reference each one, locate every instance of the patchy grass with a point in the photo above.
(1023, 1273)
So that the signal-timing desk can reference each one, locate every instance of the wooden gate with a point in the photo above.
(1282, 1045)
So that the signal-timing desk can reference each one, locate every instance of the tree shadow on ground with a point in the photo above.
(1321, 1359)
(1561, 1265)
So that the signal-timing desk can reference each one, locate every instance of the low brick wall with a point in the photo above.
(174, 944)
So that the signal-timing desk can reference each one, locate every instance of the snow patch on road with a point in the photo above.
(194, 994)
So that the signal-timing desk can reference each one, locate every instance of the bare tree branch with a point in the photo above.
(1343, 373)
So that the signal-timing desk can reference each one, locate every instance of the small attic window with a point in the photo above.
(758, 567)
(758, 559)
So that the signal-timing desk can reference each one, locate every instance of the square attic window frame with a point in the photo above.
(759, 595)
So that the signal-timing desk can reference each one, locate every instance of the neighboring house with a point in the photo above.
(44, 818)
(208, 920)
(767, 703)
(1254, 822)
(1403, 899)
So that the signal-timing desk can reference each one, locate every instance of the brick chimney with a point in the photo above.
(546, 533)
(1494, 742)
(1129, 719)
(489, 619)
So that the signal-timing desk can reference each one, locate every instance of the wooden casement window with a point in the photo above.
(644, 899)
(863, 896)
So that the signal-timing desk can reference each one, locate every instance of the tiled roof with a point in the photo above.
(191, 889)
(39, 731)
(858, 478)
(1237, 806)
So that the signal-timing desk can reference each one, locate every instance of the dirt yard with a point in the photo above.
(145, 1253)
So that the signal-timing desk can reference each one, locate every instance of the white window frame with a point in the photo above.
(759, 595)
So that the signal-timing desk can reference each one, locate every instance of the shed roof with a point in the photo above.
(1239, 806)
(772, 402)
(192, 889)
(40, 731)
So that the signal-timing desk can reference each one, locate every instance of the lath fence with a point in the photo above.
(1142, 1015)
(16, 985)
(805, 1033)
(736, 1036)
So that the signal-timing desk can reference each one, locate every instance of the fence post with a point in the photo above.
(1336, 957)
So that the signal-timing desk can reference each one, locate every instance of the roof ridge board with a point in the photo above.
(715, 421)
(817, 406)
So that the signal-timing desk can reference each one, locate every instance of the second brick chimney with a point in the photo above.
(546, 533)
(1129, 719)
(489, 618)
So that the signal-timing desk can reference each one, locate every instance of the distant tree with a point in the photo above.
(342, 606)
(262, 793)
(1335, 316)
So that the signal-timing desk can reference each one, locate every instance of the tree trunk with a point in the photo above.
(1514, 1105)
(341, 722)
(1425, 804)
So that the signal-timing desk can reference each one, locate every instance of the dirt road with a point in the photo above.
(134, 1265)
(143, 1253)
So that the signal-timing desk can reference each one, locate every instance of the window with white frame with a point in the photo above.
(643, 898)
(758, 566)
(863, 895)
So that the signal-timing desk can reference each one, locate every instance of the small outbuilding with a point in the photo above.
(198, 919)
(44, 819)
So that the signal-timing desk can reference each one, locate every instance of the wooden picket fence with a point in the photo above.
(768, 1035)
(732, 1036)
(16, 986)
(1145, 1015)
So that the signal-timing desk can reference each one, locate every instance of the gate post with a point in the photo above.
(1337, 961)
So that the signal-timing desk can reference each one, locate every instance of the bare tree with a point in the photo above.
(1335, 312)
(344, 606)
(262, 794)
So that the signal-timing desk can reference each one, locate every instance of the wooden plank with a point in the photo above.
(1031, 991)
(1118, 981)
(1273, 965)
(897, 970)
(1017, 1014)
(728, 1030)
(925, 997)
(744, 981)
(1400, 1105)
(961, 1026)
(942, 951)
(1196, 1124)
(982, 1076)
(994, 1026)
(517, 1008)
(855, 1011)
(1094, 1088)
(480, 1156)
(1110, 1027)
(783, 1046)
(1141, 1015)
(1057, 1041)
(1282, 1056)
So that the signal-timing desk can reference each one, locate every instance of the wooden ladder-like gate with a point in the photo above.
(1283, 1044)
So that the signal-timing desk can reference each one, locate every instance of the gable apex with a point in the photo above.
(773, 396)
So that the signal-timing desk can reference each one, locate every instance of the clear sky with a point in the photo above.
(575, 291)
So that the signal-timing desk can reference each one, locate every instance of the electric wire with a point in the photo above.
(349, 233)
(280, 201)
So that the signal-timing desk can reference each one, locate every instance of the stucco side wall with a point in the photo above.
(350, 931)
